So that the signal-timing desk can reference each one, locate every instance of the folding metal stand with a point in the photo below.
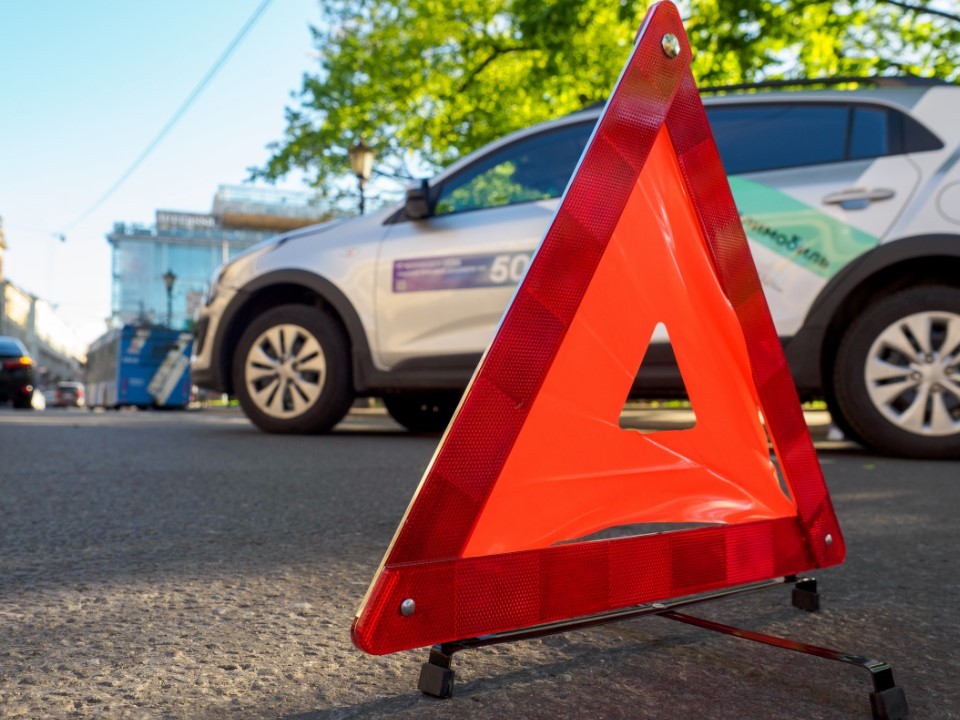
(887, 701)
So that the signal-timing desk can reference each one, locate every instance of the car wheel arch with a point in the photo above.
(915, 260)
(284, 287)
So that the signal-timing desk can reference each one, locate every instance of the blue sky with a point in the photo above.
(85, 86)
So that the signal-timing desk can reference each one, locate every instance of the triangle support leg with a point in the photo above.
(805, 595)
(436, 675)
(887, 701)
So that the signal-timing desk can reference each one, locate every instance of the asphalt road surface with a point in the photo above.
(185, 565)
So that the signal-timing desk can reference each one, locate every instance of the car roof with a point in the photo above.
(10, 344)
(904, 97)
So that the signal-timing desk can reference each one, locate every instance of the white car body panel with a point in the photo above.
(456, 321)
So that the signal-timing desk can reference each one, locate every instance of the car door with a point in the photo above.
(817, 184)
(443, 282)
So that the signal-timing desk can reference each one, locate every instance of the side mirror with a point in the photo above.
(417, 206)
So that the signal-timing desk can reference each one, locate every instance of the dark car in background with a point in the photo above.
(69, 394)
(16, 373)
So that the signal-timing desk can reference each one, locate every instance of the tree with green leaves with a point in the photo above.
(435, 79)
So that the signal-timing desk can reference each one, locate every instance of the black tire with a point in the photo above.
(23, 403)
(836, 415)
(907, 402)
(423, 412)
(291, 371)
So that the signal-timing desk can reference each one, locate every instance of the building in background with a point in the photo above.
(56, 351)
(3, 247)
(189, 246)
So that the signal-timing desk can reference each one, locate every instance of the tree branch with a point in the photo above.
(923, 9)
(497, 52)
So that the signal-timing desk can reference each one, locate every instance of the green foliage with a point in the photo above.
(440, 78)
(750, 40)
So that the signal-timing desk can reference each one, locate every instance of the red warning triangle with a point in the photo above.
(535, 459)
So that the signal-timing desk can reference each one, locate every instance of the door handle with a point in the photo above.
(858, 198)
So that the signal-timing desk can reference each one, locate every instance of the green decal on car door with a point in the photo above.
(806, 236)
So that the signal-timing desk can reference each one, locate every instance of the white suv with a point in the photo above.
(850, 199)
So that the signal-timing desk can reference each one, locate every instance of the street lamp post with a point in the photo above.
(168, 279)
(361, 160)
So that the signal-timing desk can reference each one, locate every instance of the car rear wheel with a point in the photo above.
(423, 412)
(897, 373)
(291, 371)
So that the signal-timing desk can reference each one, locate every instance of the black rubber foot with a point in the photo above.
(436, 681)
(889, 704)
(805, 595)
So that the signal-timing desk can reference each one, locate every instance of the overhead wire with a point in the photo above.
(180, 111)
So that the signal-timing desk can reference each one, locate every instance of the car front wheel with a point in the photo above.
(291, 371)
(897, 373)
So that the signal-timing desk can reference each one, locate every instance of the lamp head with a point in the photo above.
(361, 159)
(168, 279)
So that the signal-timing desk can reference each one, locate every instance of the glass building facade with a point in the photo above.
(192, 246)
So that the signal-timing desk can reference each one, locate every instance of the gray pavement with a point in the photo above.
(184, 565)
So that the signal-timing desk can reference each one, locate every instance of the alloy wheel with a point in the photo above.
(285, 370)
(912, 373)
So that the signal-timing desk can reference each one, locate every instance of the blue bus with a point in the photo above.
(140, 366)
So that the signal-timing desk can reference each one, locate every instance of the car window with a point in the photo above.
(870, 133)
(536, 168)
(771, 136)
